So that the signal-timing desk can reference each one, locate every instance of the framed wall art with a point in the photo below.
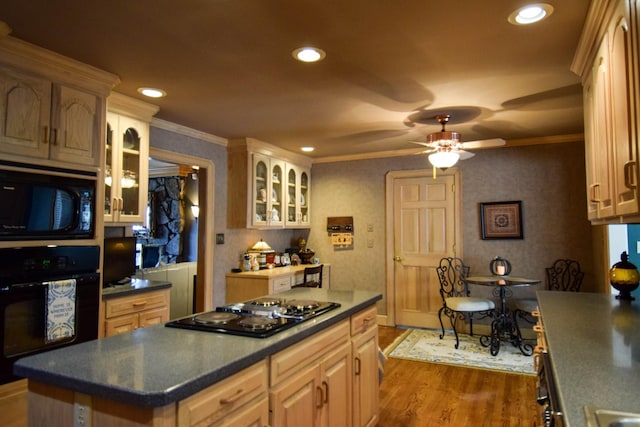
(501, 220)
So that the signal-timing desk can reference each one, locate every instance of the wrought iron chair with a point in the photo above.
(312, 278)
(457, 304)
(564, 275)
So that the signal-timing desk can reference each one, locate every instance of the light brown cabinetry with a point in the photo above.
(607, 61)
(240, 400)
(364, 339)
(253, 284)
(271, 186)
(127, 159)
(50, 115)
(311, 383)
(13, 404)
(127, 313)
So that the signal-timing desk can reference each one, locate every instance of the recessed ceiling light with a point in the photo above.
(307, 149)
(152, 92)
(530, 14)
(309, 54)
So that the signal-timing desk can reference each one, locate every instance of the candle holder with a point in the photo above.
(500, 266)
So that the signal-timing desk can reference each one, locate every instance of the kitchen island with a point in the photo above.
(594, 346)
(160, 376)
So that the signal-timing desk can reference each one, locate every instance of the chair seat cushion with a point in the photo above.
(528, 305)
(469, 304)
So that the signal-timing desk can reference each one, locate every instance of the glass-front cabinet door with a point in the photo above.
(126, 169)
(298, 185)
(267, 191)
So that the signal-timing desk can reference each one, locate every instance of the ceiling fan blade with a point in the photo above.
(464, 155)
(426, 144)
(483, 143)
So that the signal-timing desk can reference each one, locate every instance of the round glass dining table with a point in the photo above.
(503, 327)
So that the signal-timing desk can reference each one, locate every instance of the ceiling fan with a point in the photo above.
(446, 148)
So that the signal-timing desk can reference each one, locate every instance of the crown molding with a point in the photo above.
(187, 131)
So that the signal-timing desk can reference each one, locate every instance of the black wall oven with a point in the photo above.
(49, 298)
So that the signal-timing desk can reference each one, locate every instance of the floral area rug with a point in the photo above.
(426, 346)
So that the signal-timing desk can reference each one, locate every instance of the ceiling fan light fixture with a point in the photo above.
(443, 159)
(530, 14)
(444, 137)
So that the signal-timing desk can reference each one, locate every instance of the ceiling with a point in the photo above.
(390, 67)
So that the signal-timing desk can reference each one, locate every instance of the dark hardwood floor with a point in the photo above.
(418, 394)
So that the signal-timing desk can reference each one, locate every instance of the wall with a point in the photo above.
(237, 241)
(548, 179)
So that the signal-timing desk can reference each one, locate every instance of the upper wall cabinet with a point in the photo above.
(52, 108)
(607, 61)
(267, 187)
(127, 159)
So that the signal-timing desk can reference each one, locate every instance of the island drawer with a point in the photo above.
(219, 400)
(364, 320)
(308, 351)
(136, 303)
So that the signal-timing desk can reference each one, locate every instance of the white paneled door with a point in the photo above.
(425, 228)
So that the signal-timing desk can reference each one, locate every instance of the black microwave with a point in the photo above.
(46, 205)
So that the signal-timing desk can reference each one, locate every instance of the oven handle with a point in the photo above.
(80, 280)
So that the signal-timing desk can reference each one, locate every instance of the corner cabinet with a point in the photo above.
(271, 186)
(49, 115)
(607, 61)
(126, 159)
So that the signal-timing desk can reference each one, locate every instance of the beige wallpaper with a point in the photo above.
(548, 179)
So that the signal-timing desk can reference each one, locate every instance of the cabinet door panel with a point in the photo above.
(337, 386)
(25, 111)
(624, 147)
(365, 386)
(294, 403)
(154, 317)
(76, 127)
(121, 324)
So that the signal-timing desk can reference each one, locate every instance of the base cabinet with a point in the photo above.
(320, 381)
(250, 285)
(313, 390)
(136, 311)
(240, 400)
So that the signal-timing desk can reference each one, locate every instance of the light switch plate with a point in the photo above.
(219, 239)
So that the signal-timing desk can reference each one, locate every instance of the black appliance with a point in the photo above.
(119, 260)
(25, 274)
(552, 415)
(45, 204)
(259, 318)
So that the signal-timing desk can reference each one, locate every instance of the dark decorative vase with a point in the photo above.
(624, 277)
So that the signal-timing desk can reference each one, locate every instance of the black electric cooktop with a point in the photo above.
(259, 318)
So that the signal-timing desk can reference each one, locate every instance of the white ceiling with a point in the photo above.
(391, 65)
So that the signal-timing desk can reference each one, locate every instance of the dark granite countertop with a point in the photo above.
(594, 345)
(135, 286)
(156, 366)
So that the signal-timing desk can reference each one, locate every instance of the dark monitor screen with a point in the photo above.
(119, 259)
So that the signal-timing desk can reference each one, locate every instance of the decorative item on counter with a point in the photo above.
(305, 253)
(500, 266)
(295, 259)
(260, 250)
(246, 263)
(255, 266)
(624, 277)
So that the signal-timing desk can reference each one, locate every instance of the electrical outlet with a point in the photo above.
(82, 410)
(370, 228)
(369, 243)
(219, 239)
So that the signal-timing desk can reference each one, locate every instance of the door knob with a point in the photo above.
(397, 258)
